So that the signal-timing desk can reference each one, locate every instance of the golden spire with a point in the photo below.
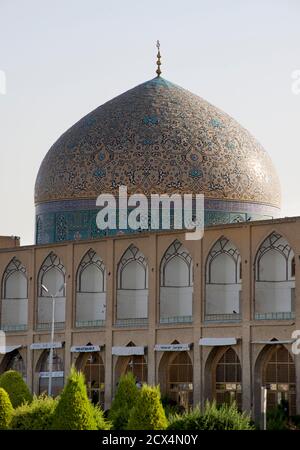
(158, 71)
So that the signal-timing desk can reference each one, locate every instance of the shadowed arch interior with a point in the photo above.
(136, 364)
(92, 366)
(175, 375)
(13, 361)
(42, 369)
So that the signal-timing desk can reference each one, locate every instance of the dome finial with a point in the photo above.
(158, 71)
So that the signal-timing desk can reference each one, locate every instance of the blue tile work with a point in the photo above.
(59, 222)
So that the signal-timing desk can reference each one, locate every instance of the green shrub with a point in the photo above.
(13, 383)
(125, 398)
(295, 422)
(170, 406)
(277, 419)
(37, 415)
(148, 413)
(226, 417)
(6, 409)
(74, 410)
(101, 422)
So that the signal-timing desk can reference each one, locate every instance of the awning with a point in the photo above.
(282, 341)
(85, 348)
(215, 342)
(45, 345)
(127, 351)
(8, 348)
(172, 347)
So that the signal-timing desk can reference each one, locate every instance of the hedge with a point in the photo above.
(225, 417)
(37, 415)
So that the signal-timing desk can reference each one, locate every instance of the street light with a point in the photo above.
(52, 333)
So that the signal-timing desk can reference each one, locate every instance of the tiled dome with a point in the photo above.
(158, 138)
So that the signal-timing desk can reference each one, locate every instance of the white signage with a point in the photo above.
(128, 351)
(215, 342)
(58, 374)
(172, 347)
(85, 348)
(45, 345)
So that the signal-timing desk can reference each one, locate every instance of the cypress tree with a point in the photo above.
(74, 410)
(125, 399)
(6, 410)
(148, 413)
(13, 383)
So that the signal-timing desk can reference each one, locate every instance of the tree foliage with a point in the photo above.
(37, 415)
(148, 413)
(74, 410)
(12, 382)
(125, 399)
(225, 417)
(6, 410)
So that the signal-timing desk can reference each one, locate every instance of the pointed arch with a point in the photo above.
(223, 282)
(176, 284)
(42, 369)
(92, 366)
(274, 244)
(227, 378)
(90, 291)
(176, 266)
(275, 369)
(132, 288)
(13, 361)
(175, 376)
(136, 364)
(14, 304)
(224, 247)
(274, 278)
(133, 269)
(52, 276)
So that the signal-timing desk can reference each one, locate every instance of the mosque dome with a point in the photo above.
(154, 138)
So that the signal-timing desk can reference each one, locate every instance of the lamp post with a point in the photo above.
(264, 407)
(52, 334)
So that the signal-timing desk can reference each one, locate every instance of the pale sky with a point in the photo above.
(63, 58)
